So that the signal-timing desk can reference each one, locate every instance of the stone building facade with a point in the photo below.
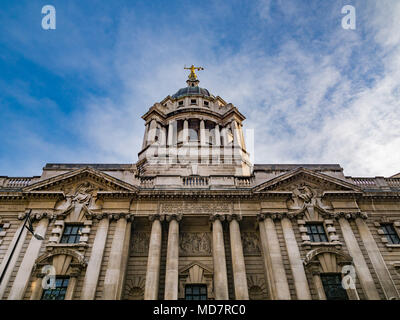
(194, 219)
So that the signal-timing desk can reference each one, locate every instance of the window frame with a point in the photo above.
(66, 225)
(199, 295)
(390, 235)
(338, 276)
(63, 288)
(318, 234)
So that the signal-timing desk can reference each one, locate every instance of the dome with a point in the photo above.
(191, 91)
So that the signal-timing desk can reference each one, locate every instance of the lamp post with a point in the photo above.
(30, 229)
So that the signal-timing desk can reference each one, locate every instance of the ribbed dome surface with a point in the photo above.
(191, 91)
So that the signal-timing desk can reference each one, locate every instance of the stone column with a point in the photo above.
(171, 133)
(172, 265)
(146, 131)
(24, 272)
(125, 256)
(218, 249)
(202, 133)
(296, 263)
(114, 268)
(153, 262)
(273, 263)
(217, 135)
(319, 287)
(37, 288)
(235, 133)
(376, 258)
(185, 133)
(238, 265)
(151, 135)
(363, 273)
(11, 266)
(95, 260)
(69, 295)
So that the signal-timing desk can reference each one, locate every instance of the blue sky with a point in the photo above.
(312, 91)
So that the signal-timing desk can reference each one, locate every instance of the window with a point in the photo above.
(58, 293)
(206, 103)
(1, 227)
(390, 233)
(193, 101)
(316, 232)
(196, 292)
(72, 233)
(332, 283)
(180, 103)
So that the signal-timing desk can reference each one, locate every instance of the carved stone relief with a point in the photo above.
(195, 244)
(250, 243)
(195, 207)
(140, 244)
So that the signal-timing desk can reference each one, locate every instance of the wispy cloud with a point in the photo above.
(313, 92)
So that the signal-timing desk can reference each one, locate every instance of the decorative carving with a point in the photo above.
(257, 287)
(195, 208)
(307, 202)
(134, 289)
(251, 243)
(195, 244)
(351, 215)
(140, 244)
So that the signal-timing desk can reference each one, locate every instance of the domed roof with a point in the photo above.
(191, 91)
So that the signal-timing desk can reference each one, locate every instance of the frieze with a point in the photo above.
(195, 207)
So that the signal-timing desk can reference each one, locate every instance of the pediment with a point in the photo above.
(69, 182)
(303, 177)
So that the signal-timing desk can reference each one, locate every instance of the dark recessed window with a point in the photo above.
(1, 227)
(58, 293)
(196, 292)
(72, 233)
(332, 283)
(180, 103)
(206, 103)
(390, 233)
(193, 101)
(316, 232)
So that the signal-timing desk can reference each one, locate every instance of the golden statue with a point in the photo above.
(192, 74)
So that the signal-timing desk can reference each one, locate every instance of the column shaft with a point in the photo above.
(217, 135)
(273, 260)
(185, 133)
(11, 266)
(171, 133)
(296, 264)
(363, 273)
(94, 265)
(24, 272)
(202, 133)
(220, 274)
(377, 260)
(114, 267)
(146, 131)
(172, 272)
(238, 265)
(153, 262)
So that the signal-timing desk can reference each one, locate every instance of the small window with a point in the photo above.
(332, 283)
(193, 101)
(316, 232)
(58, 293)
(206, 103)
(390, 233)
(196, 292)
(72, 233)
(180, 103)
(1, 227)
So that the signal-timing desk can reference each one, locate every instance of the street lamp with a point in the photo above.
(30, 229)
